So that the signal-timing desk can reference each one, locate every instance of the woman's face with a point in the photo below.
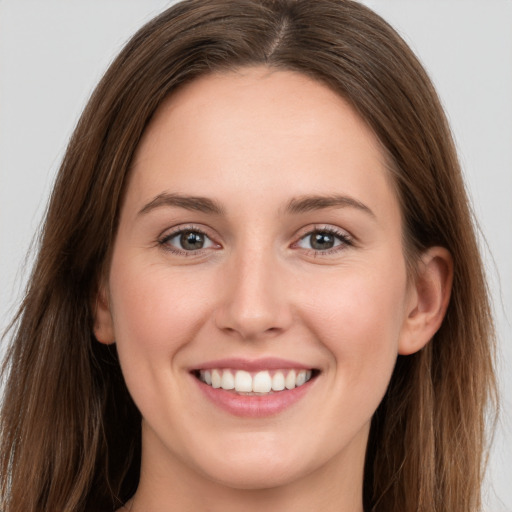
(259, 246)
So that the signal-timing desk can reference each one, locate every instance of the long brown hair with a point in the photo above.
(70, 433)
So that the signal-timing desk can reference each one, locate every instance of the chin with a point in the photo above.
(253, 469)
(259, 476)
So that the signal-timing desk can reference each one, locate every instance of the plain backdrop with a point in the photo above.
(52, 53)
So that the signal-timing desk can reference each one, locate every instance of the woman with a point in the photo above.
(258, 283)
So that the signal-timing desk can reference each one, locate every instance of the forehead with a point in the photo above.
(224, 106)
(258, 131)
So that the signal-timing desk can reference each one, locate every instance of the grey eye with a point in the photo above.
(187, 240)
(192, 240)
(323, 240)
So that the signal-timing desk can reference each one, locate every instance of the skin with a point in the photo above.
(252, 141)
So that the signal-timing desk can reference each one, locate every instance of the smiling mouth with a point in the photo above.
(259, 383)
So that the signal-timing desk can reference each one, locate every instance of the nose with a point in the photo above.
(254, 299)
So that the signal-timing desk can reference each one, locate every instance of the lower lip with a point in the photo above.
(254, 406)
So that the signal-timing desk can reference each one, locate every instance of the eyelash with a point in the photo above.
(345, 239)
(164, 241)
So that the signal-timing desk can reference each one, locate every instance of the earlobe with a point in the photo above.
(103, 324)
(429, 300)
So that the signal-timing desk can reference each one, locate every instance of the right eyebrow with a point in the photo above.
(193, 203)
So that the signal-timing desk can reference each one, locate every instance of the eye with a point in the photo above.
(324, 240)
(186, 240)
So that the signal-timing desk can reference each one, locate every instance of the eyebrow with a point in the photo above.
(297, 205)
(308, 203)
(192, 203)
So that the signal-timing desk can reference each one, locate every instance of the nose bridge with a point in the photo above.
(254, 301)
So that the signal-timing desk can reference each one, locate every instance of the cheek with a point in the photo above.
(155, 310)
(359, 320)
(157, 313)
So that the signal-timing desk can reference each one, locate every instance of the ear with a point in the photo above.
(103, 323)
(428, 301)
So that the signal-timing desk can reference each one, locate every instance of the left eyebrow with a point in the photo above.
(305, 204)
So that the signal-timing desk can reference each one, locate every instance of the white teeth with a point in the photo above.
(243, 381)
(216, 379)
(301, 378)
(228, 381)
(261, 382)
(278, 381)
(290, 380)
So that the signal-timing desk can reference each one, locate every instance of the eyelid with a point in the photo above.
(346, 239)
(171, 233)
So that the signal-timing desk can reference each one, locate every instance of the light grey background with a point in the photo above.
(52, 53)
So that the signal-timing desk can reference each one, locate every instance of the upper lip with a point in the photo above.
(253, 365)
